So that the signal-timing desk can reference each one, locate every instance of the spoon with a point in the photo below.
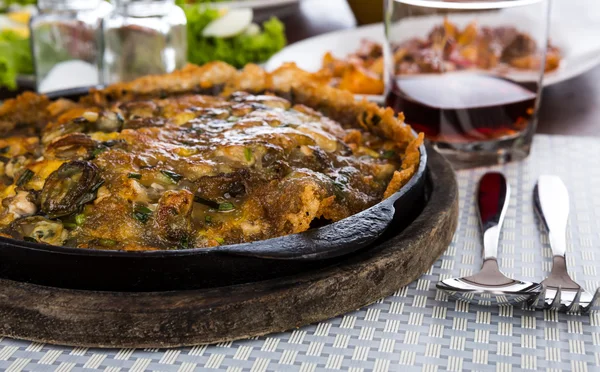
(490, 286)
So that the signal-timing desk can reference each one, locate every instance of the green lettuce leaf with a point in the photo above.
(15, 58)
(4, 4)
(8, 68)
(238, 50)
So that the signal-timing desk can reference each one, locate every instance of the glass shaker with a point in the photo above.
(143, 37)
(66, 43)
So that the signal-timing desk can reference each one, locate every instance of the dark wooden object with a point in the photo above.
(170, 319)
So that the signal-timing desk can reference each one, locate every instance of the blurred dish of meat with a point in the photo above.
(497, 49)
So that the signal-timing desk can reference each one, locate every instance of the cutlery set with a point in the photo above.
(490, 287)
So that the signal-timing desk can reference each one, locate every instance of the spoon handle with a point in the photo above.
(551, 199)
(492, 199)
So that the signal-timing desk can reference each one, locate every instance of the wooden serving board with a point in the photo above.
(182, 318)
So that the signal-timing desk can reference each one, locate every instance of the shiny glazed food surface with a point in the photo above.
(159, 164)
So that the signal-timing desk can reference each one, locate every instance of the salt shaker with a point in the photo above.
(143, 37)
(66, 39)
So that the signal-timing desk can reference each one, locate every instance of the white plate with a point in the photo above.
(263, 9)
(581, 51)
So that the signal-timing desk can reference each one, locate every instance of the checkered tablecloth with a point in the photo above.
(418, 328)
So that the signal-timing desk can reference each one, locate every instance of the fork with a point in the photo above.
(490, 286)
(559, 292)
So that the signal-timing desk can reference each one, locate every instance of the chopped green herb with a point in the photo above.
(97, 186)
(339, 185)
(25, 177)
(388, 154)
(4, 150)
(143, 218)
(135, 176)
(141, 213)
(220, 240)
(107, 242)
(79, 219)
(143, 209)
(226, 207)
(208, 203)
(172, 175)
(248, 154)
(184, 243)
(69, 225)
(208, 219)
(98, 151)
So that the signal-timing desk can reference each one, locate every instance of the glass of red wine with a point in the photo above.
(468, 73)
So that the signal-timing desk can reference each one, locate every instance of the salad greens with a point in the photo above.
(19, 2)
(5, 4)
(15, 58)
(238, 50)
(247, 47)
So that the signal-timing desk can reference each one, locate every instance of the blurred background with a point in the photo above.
(568, 107)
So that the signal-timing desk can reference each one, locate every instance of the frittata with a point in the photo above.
(205, 156)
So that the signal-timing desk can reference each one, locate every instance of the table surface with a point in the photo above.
(571, 107)
(417, 328)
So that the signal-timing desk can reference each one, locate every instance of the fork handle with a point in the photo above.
(492, 199)
(552, 203)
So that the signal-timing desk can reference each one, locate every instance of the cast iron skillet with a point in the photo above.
(209, 267)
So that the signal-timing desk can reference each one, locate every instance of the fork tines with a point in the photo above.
(594, 304)
(560, 302)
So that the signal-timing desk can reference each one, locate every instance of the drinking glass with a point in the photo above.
(468, 73)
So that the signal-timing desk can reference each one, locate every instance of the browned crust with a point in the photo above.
(190, 78)
(409, 167)
(27, 111)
